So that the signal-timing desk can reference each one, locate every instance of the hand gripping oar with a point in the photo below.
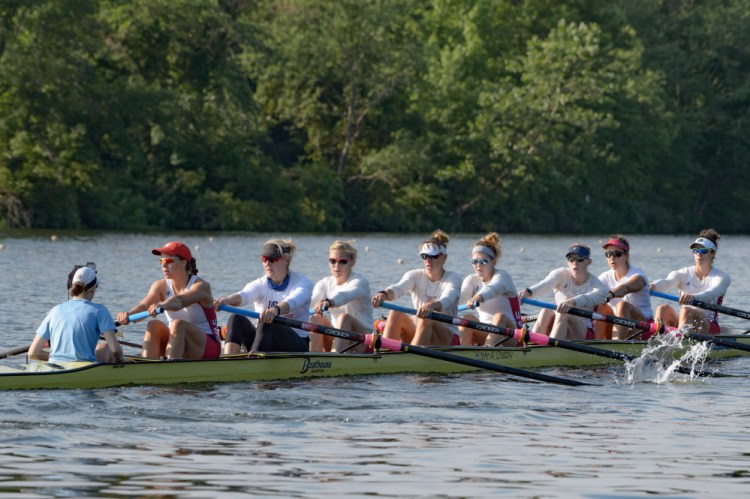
(539, 339)
(707, 306)
(651, 327)
(717, 308)
(139, 316)
(375, 340)
(461, 308)
(25, 348)
(654, 328)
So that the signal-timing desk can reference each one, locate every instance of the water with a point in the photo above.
(471, 435)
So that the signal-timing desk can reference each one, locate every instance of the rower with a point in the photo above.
(574, 286)
(627, 291)
(191, 332)
(493, 289)
(701, 281)
(346, 294)
(279, 292)
(432, 289)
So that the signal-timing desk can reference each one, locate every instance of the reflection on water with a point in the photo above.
(404, 435)
(470, 435)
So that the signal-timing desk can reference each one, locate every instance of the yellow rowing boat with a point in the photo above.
(282, 366)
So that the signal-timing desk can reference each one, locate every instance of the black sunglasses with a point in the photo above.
(431, 257)
(616, 254)
(340, 261)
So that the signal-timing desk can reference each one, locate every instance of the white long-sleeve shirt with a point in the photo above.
(352, 297)
(710, 289)
(296, 294)
(640, 299)
(496, 295)
(447, 290)
(587, 295)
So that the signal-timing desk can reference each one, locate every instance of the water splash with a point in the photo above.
(663, 355)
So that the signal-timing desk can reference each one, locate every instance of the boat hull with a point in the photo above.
(281, 366)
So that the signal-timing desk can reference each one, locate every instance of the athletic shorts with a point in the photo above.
(590, 335)
(713, 327)
(213, 347)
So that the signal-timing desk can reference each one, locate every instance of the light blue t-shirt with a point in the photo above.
(73, 330)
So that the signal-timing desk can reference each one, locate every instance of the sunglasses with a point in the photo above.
(340, 261)
(430, 257)
(268, 259)
(168, 259)
(480, 261)
(701, 251)
(613, 254)
(579, 259)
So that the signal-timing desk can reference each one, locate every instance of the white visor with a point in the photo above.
(431, 249)
(702, 242)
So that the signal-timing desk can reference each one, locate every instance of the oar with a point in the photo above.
(651, 327)
(372, 340)
(131, 318)
(461, 308)
(654, 328)
(539, 339)
(707, 306)
(717, 308)
(139, 316)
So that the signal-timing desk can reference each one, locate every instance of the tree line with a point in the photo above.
(365, 115)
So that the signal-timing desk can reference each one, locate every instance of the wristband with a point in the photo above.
(278, 309)
(529, 291)
(383, 292)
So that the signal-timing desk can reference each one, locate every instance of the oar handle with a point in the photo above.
(461, 308)
(518, 334)
(540, 304)
(367, 339)
(651, 327)
(666, 296)
(140, 315)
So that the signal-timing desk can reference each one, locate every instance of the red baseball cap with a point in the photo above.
(174, 248)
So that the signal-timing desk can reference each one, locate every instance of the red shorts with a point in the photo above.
(713, 327)
(212, 349)
(646, 334)
(590, 335)
(455, 340)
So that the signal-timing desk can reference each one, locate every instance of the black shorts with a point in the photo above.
(274, 337)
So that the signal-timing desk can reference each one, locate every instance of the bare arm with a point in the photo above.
(36, 350)
(114, 345)
(154, 296)
(199, 292)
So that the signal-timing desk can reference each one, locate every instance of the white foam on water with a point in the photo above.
(663, 355)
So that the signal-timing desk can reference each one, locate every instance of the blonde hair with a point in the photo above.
(491, 240)
(286, 246)
(346, 247)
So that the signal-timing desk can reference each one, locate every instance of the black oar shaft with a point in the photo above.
(403, 347)
(718, 341)
(537, 338)
(722, 309)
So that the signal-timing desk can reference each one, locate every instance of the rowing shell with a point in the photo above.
(280, 366)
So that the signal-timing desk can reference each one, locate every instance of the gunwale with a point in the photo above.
(291, 366)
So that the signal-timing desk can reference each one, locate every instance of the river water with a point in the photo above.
(470, 435)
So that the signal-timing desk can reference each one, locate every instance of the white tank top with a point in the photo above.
(194, 314)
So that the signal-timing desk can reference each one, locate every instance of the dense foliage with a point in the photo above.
(357, 115)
